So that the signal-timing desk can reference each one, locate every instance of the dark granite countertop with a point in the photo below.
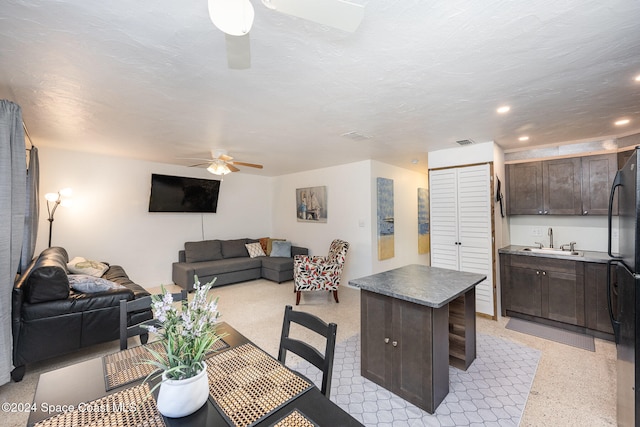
(586, 256)
(420, 284)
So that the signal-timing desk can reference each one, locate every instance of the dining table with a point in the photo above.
(109, 390)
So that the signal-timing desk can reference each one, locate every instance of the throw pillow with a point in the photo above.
(255, 250)
(90, 284)
(80, 265)
(263, 242)
(281, 249)
(270, 245)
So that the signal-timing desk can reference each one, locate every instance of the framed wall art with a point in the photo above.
(311, 204)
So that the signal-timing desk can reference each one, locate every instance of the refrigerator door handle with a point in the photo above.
(617, 181)
(615, 324)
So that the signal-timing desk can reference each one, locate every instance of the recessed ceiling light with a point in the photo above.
(637, 78)
(414, 161)
(622, 122)
(503, 109)
(523, 138)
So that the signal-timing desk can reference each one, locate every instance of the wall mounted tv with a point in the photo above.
(181, 194)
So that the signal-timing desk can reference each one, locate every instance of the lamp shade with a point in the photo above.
(233, 17)
(218, 168)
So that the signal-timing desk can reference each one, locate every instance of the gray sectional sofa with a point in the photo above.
(229, 262)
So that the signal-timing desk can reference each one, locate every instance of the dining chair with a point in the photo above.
(320, 273)
(307, 351)
(140, 304)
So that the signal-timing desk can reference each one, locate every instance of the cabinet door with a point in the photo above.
(596, 304)
(598, 173)
(524, 189)
(375, 318)
(562, 186)
(563, 297)
(443, 205)
(415, 353)
(475, 231)
(524, 291)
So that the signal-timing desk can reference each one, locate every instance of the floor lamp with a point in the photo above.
(56, 199)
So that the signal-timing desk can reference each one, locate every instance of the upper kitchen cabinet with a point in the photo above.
(568, 186)
(524, 189)
(561, 186)
(598, 173)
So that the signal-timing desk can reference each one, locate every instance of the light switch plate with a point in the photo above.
(536, 231)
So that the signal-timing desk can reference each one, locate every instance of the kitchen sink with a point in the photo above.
(553, 251)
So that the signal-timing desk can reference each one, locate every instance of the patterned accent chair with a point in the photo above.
(319, 273)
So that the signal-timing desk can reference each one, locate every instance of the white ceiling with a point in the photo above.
(148, 79)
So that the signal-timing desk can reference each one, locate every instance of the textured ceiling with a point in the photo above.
(148, 79)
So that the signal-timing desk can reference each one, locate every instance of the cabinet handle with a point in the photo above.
(544, 273)
(585, 213)
(537, 273)
(539, 212)
(386, 340)
(395, 343)
(546, 212)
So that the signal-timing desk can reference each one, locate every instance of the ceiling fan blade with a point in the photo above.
(238, 52)
(200, 164)
(194, 158)
(232, 168)
(339, 14)
(225, 158)
(251, 165)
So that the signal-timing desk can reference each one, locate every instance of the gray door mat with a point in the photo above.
(561, 336)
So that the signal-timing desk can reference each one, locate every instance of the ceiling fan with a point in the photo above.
(221, 163)
(235, 18)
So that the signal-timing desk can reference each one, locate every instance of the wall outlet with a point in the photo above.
(536, 231)
(614, 233)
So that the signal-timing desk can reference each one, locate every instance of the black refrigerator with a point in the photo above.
(625, 318)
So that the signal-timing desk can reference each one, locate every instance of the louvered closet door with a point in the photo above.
(443, 206)
(474, 219)
(461, 235)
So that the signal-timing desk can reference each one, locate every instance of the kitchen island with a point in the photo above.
(410, 319)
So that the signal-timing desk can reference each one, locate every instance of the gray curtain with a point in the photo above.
(13, 170)
(33, 209)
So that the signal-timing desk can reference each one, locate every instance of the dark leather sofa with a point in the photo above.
(50, 319)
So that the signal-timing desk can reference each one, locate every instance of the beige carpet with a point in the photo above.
(572, 387)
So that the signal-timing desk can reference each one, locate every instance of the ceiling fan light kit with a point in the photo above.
(219, 167)
(232, 17)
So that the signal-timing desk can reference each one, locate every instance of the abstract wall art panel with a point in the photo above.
(385, 219)
(423, 221)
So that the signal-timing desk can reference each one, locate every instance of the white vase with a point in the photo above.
(179, 398)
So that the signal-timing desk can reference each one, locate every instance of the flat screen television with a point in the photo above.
(181, 194)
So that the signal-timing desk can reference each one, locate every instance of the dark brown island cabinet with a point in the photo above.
(567, 293)
(415, 321)
(567, 186)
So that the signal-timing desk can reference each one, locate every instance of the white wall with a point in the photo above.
(589, 232)
(463, 155)
(109, 218)
(352, 214)
(405, 215)
(348, 199)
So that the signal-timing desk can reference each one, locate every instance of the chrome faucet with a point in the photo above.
(550, 233)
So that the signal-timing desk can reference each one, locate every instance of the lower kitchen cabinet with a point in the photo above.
(595, 285)
(562, 292)
(547, 288)
(398, 350)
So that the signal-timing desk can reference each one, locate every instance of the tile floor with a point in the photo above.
(492, 392)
